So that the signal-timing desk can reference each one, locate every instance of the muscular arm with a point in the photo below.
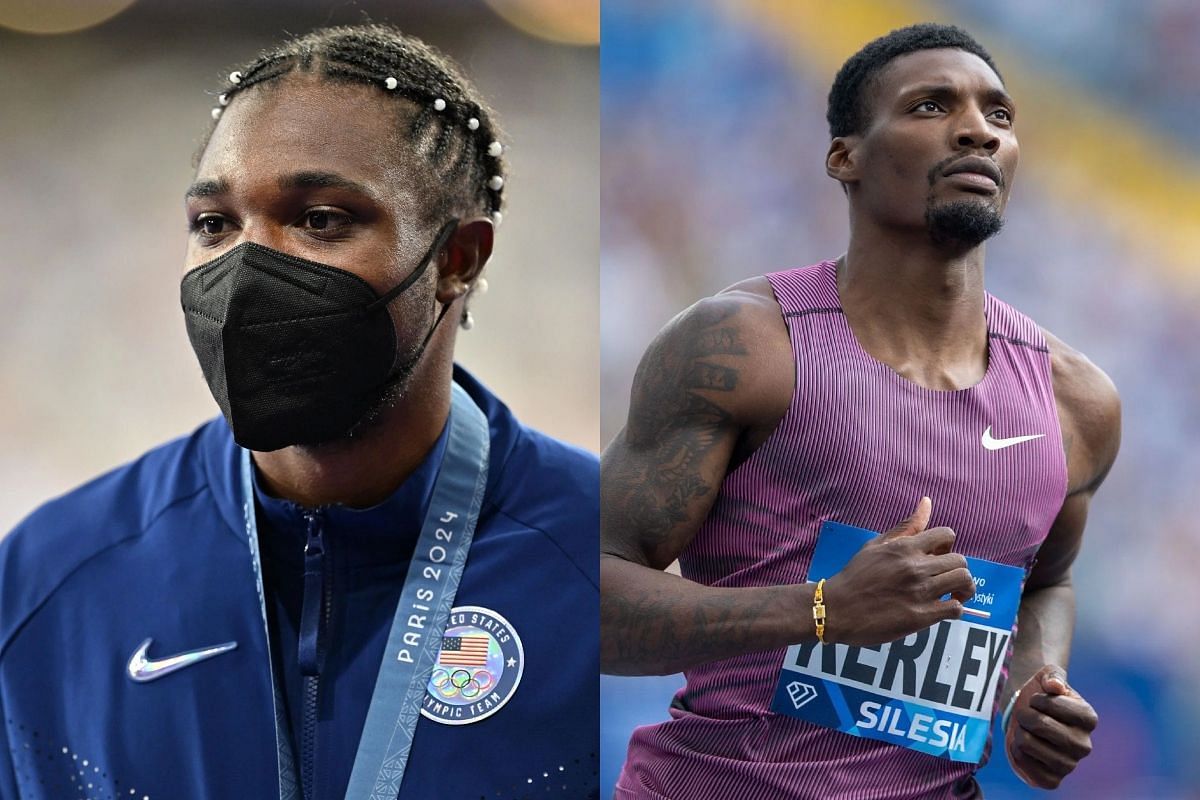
(1089, 412)
(711, 377)
(715, 384)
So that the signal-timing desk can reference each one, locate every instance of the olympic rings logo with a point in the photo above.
(468, 684)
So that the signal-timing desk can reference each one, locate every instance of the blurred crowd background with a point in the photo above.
(714, 137)
(98, 128)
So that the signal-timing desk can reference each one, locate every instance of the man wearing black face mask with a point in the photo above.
(296, 352)
(367, 570)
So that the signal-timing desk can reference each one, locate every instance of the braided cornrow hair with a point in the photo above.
(452, 126)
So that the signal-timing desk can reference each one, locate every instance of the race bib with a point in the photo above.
(931, 691)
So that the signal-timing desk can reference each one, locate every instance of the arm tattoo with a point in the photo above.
(657, 483)
(675, 420)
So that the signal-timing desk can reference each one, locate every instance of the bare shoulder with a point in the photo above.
(1089, 409)
(706, 379)
(725, 358)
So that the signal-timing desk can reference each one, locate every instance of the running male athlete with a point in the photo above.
(855, 390)
(277, 606)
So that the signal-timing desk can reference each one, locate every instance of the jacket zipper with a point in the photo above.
(314, 621)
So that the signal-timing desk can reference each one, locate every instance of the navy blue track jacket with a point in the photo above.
(157, 550)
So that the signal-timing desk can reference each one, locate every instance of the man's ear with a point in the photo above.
(464, 257)
(841, 162)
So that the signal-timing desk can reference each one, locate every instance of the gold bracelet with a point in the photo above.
(819, 610)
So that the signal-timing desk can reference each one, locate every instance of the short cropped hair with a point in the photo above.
(847, 112)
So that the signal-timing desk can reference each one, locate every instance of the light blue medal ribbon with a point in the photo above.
(425, 602)
(416, 638)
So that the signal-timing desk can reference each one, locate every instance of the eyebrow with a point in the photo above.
(325, 180)
(206, 189)
(946, 90)
(297, 180)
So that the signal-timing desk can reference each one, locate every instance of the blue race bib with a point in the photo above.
(932, 691)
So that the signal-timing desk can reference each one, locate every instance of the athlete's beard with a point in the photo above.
(967, 223)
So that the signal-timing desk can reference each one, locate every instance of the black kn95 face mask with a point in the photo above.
(294, 351)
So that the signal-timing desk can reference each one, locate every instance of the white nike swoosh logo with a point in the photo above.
(1000, 444)
(142, 669)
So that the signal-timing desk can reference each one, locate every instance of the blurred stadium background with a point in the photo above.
(714, 136)
(98, 127)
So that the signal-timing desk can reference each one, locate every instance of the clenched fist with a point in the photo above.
(1050, 729)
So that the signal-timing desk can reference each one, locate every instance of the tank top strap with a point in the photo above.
(811, 289)
(1006, 324)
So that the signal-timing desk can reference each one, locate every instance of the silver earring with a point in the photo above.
(467, 322)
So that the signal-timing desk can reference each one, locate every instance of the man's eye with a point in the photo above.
(209, 226)
(927, 105)
(323, 220)
(1003, 114)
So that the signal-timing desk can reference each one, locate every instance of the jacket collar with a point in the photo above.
(221, 455)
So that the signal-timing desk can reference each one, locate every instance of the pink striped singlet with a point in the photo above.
(860, 445)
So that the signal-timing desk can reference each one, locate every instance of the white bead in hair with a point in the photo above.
(495, 183)
(235, 77)
(223, 99)
(497, 218)
(467, 321)
(439, 105)
(473, 124)
(216, 113)
(495, 149)
(390, 82)
(481, 286)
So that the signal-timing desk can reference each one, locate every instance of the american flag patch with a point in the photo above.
(464, 651)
